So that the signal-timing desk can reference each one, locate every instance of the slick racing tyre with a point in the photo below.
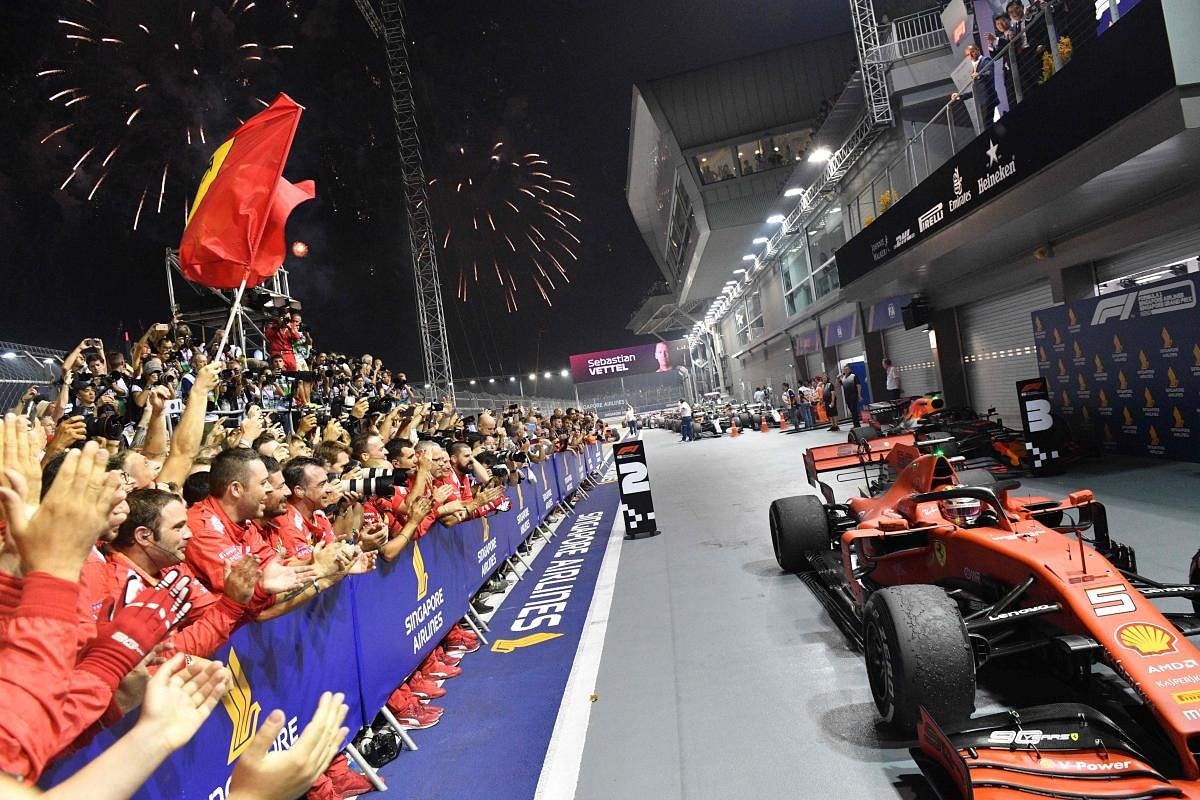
(1193, 576)
(745, 422)
(918, 654)
(798, 525)
(675, 426)
(862, 434)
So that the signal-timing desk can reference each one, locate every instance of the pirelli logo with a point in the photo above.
(1186, 698)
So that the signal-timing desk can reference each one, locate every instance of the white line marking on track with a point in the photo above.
(564, 755)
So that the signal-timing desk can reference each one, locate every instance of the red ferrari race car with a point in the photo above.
(943, 574)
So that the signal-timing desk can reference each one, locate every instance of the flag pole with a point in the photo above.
(233, 312)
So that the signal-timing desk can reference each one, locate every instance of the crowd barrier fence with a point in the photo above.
(362, 638)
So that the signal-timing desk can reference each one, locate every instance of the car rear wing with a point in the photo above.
(834, 457)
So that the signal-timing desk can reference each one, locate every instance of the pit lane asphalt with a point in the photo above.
(722, 677)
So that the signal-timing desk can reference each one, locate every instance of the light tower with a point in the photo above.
(431, 315)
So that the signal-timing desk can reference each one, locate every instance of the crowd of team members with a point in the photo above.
(138, 536)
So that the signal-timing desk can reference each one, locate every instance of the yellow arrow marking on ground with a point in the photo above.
(508, 645)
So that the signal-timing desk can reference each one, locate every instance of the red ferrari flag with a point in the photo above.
(235, 226)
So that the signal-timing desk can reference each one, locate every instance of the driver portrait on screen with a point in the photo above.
(662, 354)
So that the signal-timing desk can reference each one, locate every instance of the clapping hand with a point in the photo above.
(262, 774)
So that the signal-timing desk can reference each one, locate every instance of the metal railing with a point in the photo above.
(910, 36)
(1027, 61)
(25, 365)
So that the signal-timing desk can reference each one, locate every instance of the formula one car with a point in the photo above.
(946, 572)
(981, 440)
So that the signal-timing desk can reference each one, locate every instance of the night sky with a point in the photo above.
(556, 77)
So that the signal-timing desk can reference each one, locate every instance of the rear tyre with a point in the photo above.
(798, 525)
(862, 434)
(1193, 576)
(744, 421)
(918, 654)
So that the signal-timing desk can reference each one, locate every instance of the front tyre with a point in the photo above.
(918, 654)
(799, 525)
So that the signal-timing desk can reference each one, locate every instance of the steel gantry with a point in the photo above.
(431, 315)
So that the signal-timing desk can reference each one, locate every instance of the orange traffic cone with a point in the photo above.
(783, 423)
(764, 423)
(733, 430)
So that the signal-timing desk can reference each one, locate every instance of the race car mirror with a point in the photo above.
(1042, 437)
(633, 481)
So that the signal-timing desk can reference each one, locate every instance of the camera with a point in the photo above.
(437, 406)
(375, 482)
(381, 405)
(106, 423)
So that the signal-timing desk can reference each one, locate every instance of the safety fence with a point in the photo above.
(362, 638)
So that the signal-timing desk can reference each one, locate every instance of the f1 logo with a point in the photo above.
(1114, 308)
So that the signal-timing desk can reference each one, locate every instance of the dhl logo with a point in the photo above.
(418, 565)
(1146, 638)
(1142, 360)
(627, 449)
(1168, 342)
(241, 707)
(1149, 398)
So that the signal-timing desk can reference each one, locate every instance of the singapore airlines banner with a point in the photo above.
(641, 359)
(1127, 367)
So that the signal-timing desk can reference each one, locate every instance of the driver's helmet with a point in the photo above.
(962, 511)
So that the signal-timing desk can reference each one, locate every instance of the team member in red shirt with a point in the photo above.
(223, 535)
(282, 335)
(43, 690)
(154, 539)
(464, 467)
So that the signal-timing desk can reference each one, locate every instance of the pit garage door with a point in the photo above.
(911, 354)
(997, 346)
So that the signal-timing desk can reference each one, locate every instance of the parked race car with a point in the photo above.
(945, 572)
(982, 441)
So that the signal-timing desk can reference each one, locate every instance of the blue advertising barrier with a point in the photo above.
(362, 638)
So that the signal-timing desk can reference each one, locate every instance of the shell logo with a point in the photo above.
(1146, 638)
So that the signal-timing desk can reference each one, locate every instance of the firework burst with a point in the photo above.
(141, 92)
(506, 219)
